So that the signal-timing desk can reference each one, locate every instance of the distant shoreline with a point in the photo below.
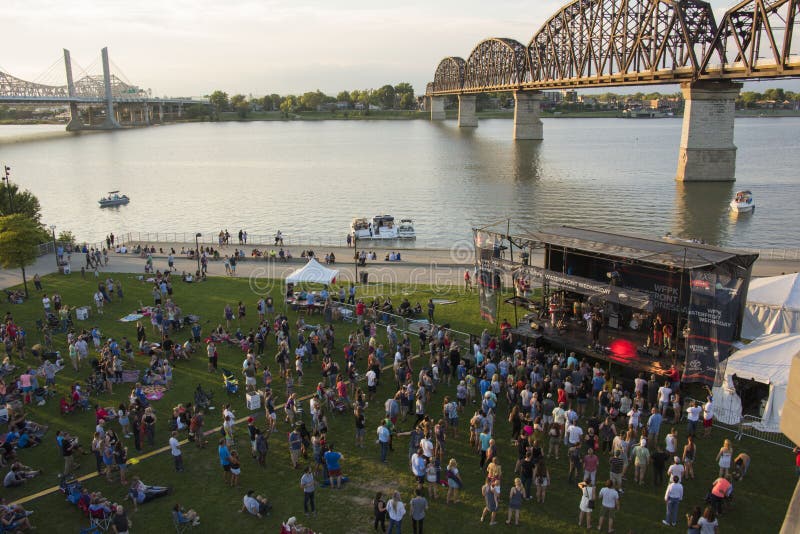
(398, 115)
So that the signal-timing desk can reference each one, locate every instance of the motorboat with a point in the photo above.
(743, 202)
(405, 229)
(113, 199)
(380, 227)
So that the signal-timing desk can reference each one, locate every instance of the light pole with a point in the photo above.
(55, 247)
(197, 236)
(355, 248)
(7, 180)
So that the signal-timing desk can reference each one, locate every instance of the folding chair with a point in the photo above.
(100, 520)
(180, 527)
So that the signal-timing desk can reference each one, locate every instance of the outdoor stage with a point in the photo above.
(623, 347)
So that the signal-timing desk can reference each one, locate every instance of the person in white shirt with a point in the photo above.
(693, 417)
(255, 504)
(671, 442)
(633, 418)
(175, 448)
(708, 414)
(396, 510)
(673, 498)
(676, 469)
(609, 498)
(372, 384)
(574, 434)
(664, 393)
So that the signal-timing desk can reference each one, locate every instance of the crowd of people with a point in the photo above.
(609, 432)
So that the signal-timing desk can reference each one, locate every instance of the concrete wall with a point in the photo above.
(467, 118)
(437, 108)
(527, 121)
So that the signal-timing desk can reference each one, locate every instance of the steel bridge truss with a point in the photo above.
(87, 89)
(755, 40)
(633, 42)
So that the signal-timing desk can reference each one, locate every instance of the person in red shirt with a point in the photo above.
(720, 490)
(674, 378)
(562, 395)
(360, 309)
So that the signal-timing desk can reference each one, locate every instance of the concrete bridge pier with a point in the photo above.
(437, 108)
(467, 118)
(527, 121)
(707, 152)
(160, 112)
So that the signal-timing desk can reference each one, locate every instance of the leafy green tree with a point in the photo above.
(407, 101)
(384, 97)
(240, 105)
(19, 237)
(219, 100)
(312, 100)
(12, 200)
(289, 105)
(67, 237)
(198, 111)
(364, 97)
(344, 96)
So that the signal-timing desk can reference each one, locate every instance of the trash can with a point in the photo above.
(364, 277)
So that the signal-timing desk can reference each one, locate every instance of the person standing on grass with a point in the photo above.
(309, 485)
(295, 444)
(641, 458)
(490, 493)
(175, 448)
(515, 498)
(332, 462)
(609, 498)
(224, 460)
(587, 503)
(673, 498)
(384, 435)
(418, 505)
(396, 510)
(379, 511)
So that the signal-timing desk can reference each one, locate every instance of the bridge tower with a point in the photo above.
(707, 152)
(74, 123)
(111, 122)
(527, 122)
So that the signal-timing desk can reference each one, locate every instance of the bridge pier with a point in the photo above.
(437, 108)
(467, 118)
(527, 121)
(707, 152)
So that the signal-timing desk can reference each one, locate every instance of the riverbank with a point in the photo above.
(435, 267)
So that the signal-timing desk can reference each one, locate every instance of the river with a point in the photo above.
(308, 179)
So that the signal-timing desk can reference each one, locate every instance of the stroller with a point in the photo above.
(231, 382)
(202, 400)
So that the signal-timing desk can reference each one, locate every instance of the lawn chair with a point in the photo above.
(100, 519)
(180, 526)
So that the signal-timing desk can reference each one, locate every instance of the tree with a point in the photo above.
(240, 105)
(384, 97)
(24, 202)
(197, 111)
(312, 100)
(19, 237)
(289, 105)
(344, 96)
(407, 101)
(219, 100)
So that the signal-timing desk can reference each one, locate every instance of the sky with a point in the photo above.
(191, 48)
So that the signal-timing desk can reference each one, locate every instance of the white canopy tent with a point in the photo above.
(766, 360)
(313, 272)
(773, 306)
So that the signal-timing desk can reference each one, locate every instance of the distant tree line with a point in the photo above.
(400, 96)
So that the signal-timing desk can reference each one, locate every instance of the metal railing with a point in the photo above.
(777, 253)
(747, 426)
(406, 324)
(211, 238)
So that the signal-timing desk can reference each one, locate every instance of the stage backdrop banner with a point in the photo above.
(488, 286)
(716, 299)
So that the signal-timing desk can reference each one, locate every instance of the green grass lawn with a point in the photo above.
(761, 498)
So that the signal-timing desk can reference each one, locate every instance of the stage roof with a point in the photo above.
(667, 252)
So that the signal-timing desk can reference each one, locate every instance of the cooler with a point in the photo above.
(253, 401)
(82, 313)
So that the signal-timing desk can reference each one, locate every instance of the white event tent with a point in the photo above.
(773, 306)
(313, 272)
(766, 360)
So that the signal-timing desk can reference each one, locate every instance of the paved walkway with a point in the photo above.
(436, 267)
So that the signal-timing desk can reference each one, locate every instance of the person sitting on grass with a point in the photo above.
(185, 517)
(13, 518)
(255, 504)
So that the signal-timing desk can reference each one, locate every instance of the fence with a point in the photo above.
(407, 324)
(782, 254)
(292, 239)
(50, 247)
(747, 426)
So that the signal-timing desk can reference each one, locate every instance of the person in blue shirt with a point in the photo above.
(491, 369)
(484, 386)
(332, 459)
(224, 459)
